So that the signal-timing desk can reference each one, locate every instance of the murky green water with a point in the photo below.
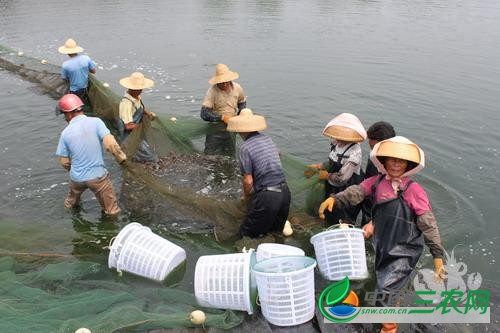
(429, 67)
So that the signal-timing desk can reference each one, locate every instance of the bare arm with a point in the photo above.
(247, 181)
(65, 162)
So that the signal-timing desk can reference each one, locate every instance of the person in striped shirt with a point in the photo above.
(264, 182)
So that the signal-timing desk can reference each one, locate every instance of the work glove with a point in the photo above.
(439, 272)
(327, 204)
(368, 229)
(323, 175)
(225, 118)
(311, 170)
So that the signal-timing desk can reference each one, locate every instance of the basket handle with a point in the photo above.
(110, 245)
(341, 226)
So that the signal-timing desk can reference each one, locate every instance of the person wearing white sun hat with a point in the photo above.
(132, 111)
(77, 68)
(223, 100)
(343, 167)
(402, 217)
(264, 182)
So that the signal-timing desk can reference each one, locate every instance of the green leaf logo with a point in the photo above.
(336, 292)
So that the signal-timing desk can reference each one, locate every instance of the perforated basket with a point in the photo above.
(286, 289)
(340, 252)
(271, 250)
(148, 255)
(119, 241)
(226, 282)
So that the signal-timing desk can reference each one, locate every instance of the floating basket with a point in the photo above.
(341, 252)
(118, 242)
(226, 282)
(286, 289)
(271, 250)
(139, 251)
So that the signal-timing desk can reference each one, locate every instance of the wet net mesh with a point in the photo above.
(183, 183)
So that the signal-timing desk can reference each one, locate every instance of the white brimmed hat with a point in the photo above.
(345, 127)
(136, 81)
(246, 122)
(223, 74)
(70, 47)
(398, 147)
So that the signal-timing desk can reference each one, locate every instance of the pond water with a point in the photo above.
(431, 68)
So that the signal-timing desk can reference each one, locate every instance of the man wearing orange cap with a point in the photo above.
(223, 100)
(76, 69)
(84, 158)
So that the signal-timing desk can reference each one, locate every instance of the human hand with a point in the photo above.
(225, 118)
(368, 229)
(439, 272)
(309, 172)
(323, 175)
(327, 204)
(152, 115)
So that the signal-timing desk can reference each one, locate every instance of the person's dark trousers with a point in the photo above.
(268, 211)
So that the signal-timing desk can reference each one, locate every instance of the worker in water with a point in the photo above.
(343, 167)
(379, 131)
(223, 100)
(402, 217)
(80, 151)
(76, 69)
(132, 112)
(264, 183)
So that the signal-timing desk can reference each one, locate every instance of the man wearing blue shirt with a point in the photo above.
(80, 151)
(76, 69)
(264, 183)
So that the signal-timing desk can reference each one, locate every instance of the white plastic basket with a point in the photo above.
(271, 250)
(226, 282)
(341, 252)
(118, 242)
(146, 254)
(286, 289)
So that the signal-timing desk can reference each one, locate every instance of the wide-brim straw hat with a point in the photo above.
(246, 122)
(345, 127)
(136, 81)
(70, 47)
(223, 74)
(398, 147)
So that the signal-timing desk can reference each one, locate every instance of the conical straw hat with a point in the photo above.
(398, 147)
(345, 127)
(223, 74)
(246, 122)
(70, 47)
(136, 81)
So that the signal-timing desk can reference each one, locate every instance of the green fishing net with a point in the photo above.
(201, 193)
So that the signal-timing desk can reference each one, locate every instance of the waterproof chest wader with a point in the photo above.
(143, 152)
(397, 239)
(349, 213)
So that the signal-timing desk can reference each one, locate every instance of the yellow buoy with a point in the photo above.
(173, 119)
(197, 317)
(287, 229)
